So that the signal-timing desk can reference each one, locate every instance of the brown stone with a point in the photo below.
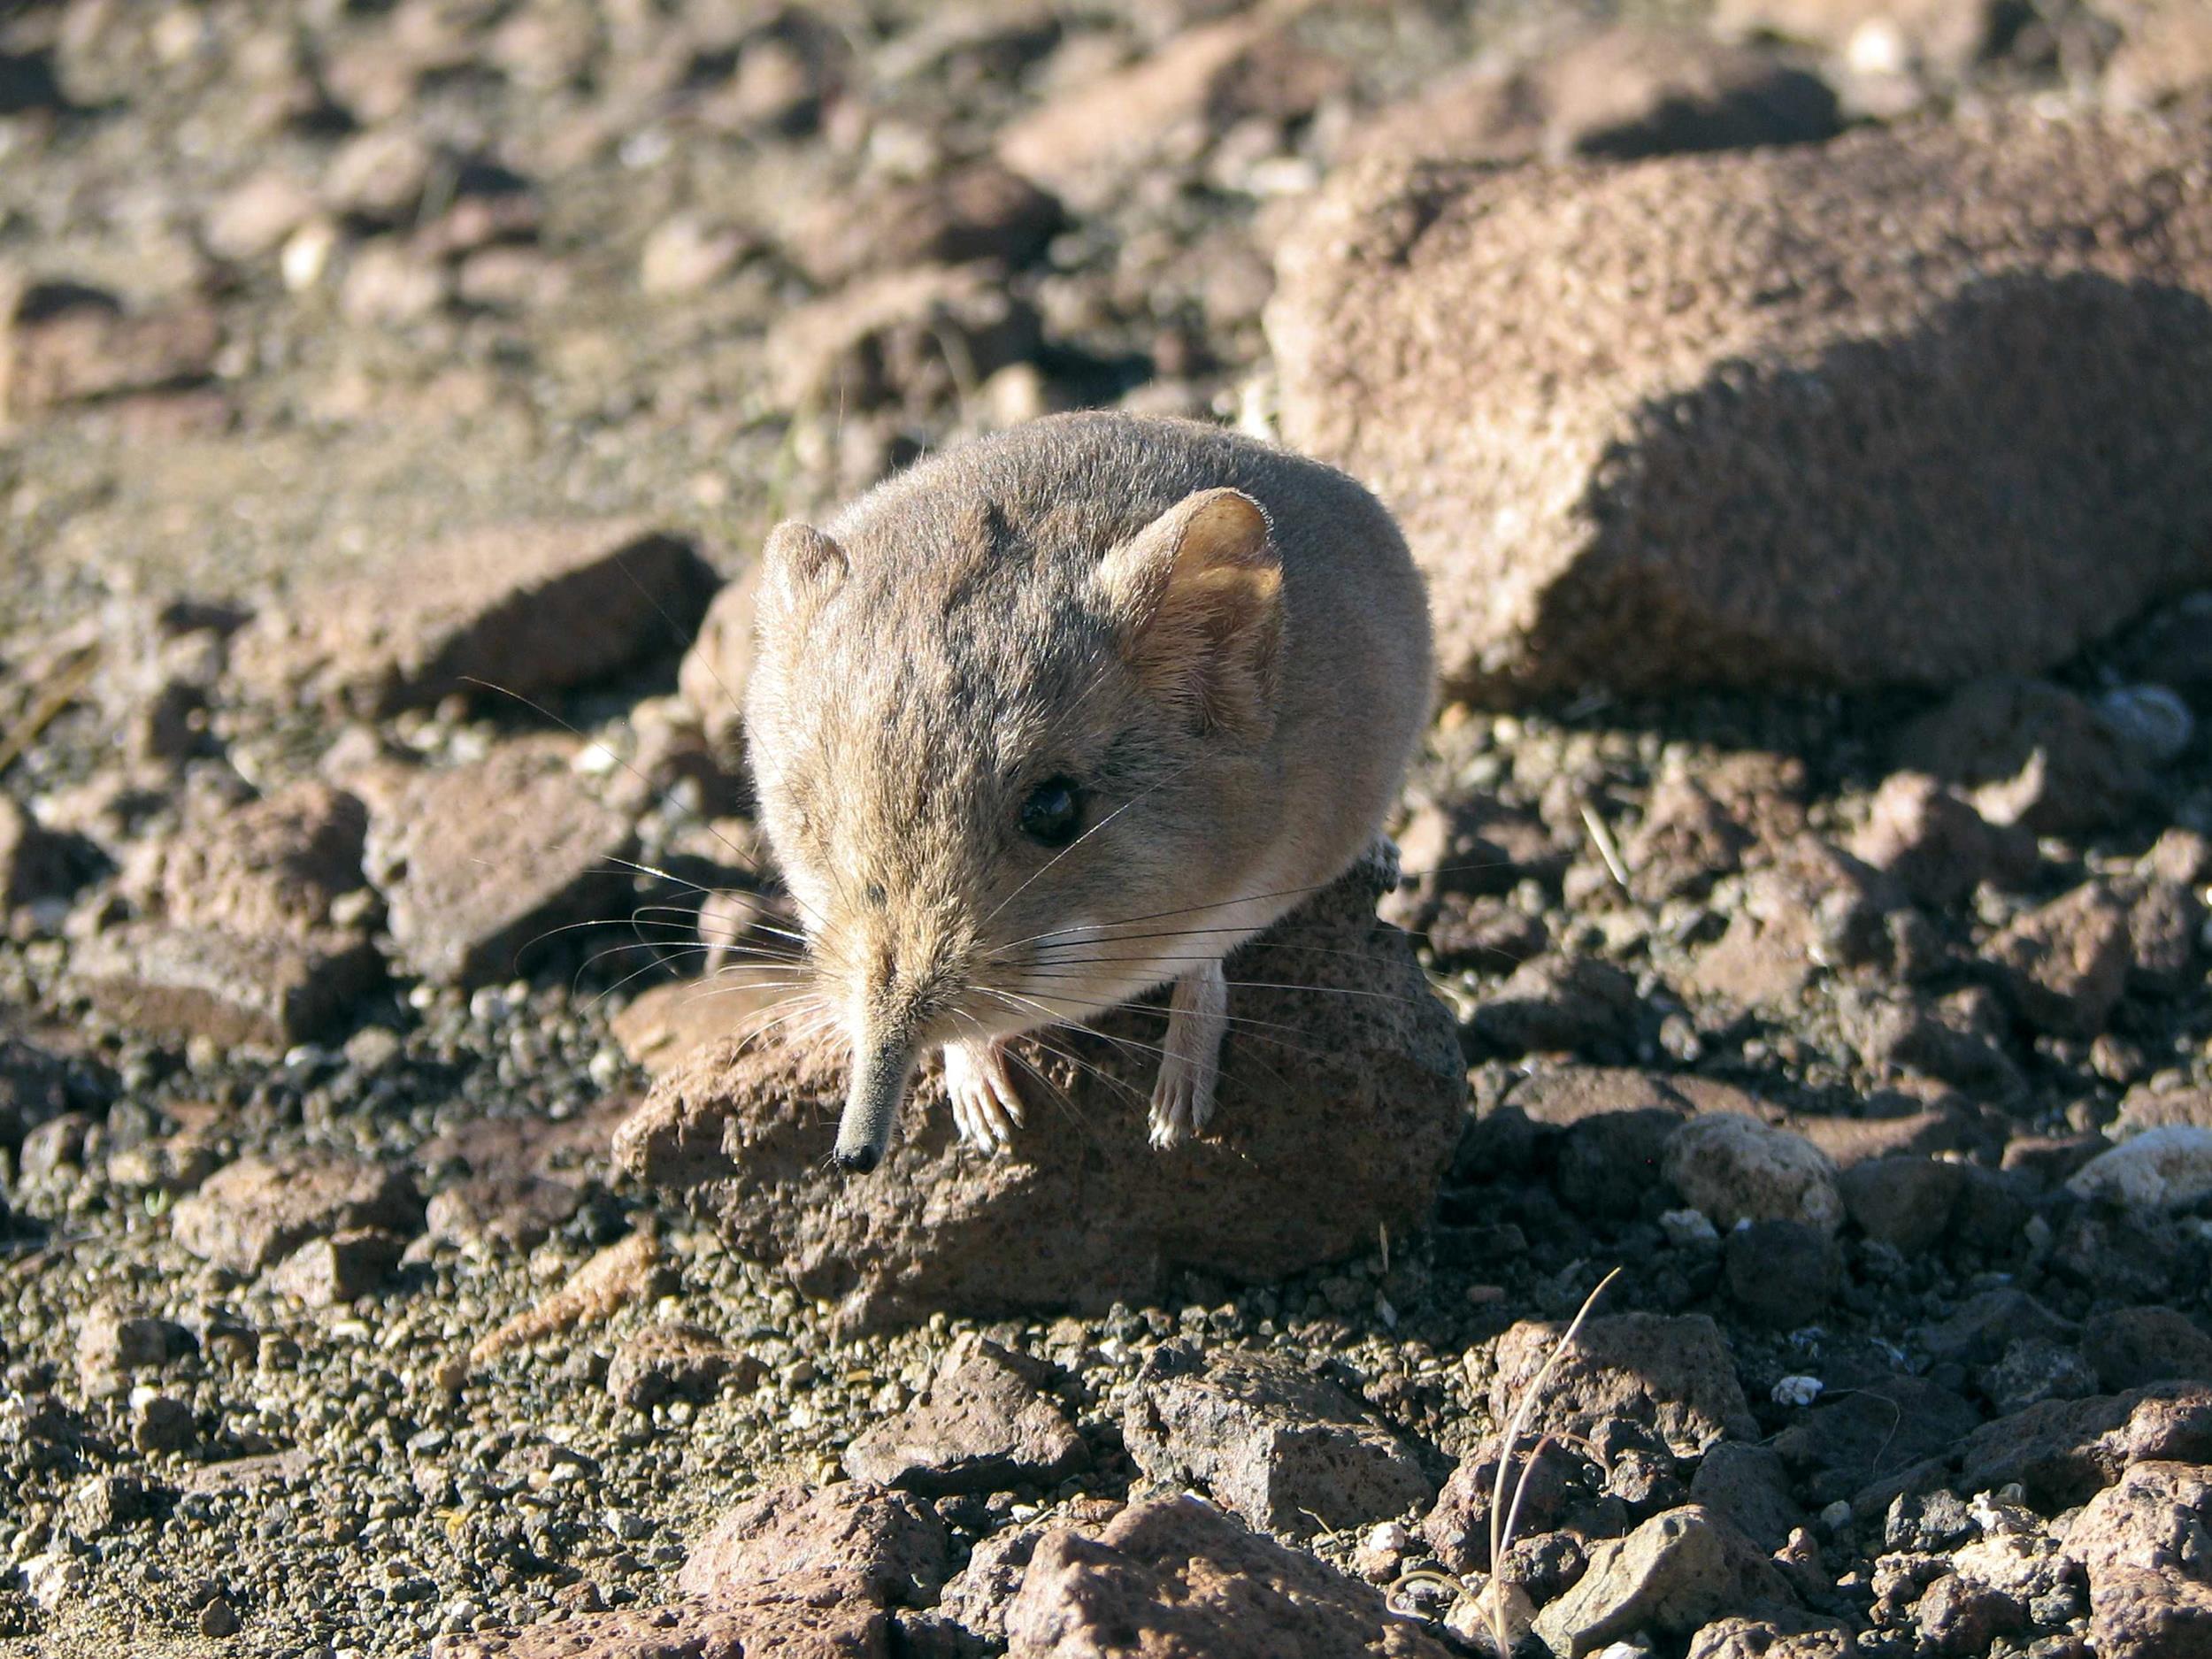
(326, 1272)
(715, 672)
(984, 1426)
(249, 1215)
(893, 1543)
(267, 994)
(674, 1360)
(510, 1209)
(911, 337)
(664, 1025)
(479, 862)
(1176, 1579)
(271, 868)
(34, 863)
(2164, 54)
(627, 1270)
(527, 608)
(1674, 1375)
(63, 344)
(2066, 963)
(2132, 1347)
(2142, 1108)
(1944, 37)
(2141, 1542)
(1771, 430)
(1316, 1141)
(1286, 1449)
(2032, 753)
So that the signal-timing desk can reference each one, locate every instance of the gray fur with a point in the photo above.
(948, 641)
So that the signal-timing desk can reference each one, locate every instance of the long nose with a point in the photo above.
(881, 1071)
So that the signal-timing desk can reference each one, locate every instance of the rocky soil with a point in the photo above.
(413, 1234)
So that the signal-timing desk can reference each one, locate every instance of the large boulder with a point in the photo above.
(1341, 1097)
(1802, 415)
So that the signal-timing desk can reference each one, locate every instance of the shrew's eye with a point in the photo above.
(1052, 814)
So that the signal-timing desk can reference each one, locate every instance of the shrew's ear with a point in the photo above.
(1198, 596)
(800, 567)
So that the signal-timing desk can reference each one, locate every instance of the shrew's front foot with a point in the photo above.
(986, 1108)
(1198, 1015)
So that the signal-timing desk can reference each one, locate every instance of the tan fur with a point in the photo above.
(1225, 645)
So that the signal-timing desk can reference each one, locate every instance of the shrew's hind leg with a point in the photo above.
(1198, 1016)
(986, 1108)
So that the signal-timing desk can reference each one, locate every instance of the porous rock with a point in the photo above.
(674, 1360)
(1289, 1451)
(1311, 1148)
(1735, 1168)
(63, 342)
(2063, 1451)
(1178, 1579)
(979, 210)
(1797, 467)
(2141, 1541)
(1457, 1528)
(1670, 1574)
(326, 1272)
(1786, 1636)
(2135, 1346)
(1869, 1434)
(1673, 1375)
(480, 861)
(909, 337)
(716, 669)
(892, 1542)
(529, 608)
(985, 1426)
(664, 1023)
(252, 1214)
(1935, 844)
(271, 868)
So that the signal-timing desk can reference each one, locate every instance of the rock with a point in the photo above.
(1781, 1273)
(1942, 37)
(253, 220)
(249, 1215)
(1301, 1164)
(1748, 1487)
(1283, 1447)
(528, 608)
(1935, 844)
(1628, 92)
(34, 863)
(894, 1544)
(664, 1025)
(1670, 1574)
(2141, 1542)
(2033, 755)
(1090, 141)
(984, 1426)
(2164, 53)
(2064, 1451)
(1686, 840)
(511, 1211)
(271, 868)
(2141, 1109)
(63, 344)
(1560, 1004)
(980, 211)
(806, 1615)
(1983, 1324)
(1958, 1615)
(1904, 1202)
(2173, 648)
(1794, 472)
(1871, 1433)
(627, 1270)
(2166, 934)
(1476, 846)
(910, 338)
(1457, 1528)
(1790, 1636)
(2135, 1346)
(1806, 907)
(481, 861)
(110, 1342)
(2066, 963)
(715, 670)
(268, 994)
(1735, 1168)
(1672, 1375)
(674, 1360)
(379, 178)
(1178, 1579)
(160, 1424)
(2160, 1169)
(324, 1272)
